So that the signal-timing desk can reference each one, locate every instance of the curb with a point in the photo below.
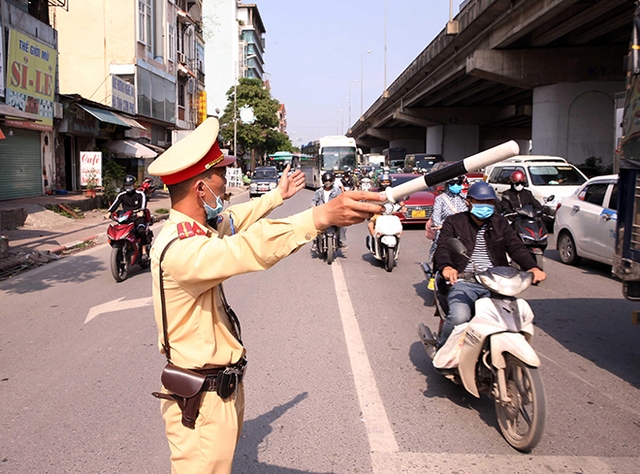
(71, 245)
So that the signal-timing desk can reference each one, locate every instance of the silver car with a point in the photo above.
(585, 224)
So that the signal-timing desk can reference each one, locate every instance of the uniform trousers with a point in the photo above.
(209, 448)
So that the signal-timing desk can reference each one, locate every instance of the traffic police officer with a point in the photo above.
(205, 247)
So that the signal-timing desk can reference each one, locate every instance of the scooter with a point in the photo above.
(148, 187)
(385, 246)
(492, 353)
(327, 243)
(528, 223)
(366, 184)
(127, 236)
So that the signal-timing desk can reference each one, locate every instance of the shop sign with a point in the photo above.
(31, 67)
(91, 167)
(123, 95)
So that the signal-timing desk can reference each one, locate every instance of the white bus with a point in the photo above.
(331, 153)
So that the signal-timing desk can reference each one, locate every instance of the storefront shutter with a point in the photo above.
(20, 164)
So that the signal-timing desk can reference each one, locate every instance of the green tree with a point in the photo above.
(261, 135)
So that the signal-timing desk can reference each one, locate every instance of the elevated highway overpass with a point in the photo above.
(540, 70)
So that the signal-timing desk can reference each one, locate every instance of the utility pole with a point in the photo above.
(362, 80)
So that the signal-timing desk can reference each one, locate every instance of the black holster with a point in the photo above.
(186, 389)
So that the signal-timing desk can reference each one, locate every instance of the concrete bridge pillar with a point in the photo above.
(460, 141)
(575, 120)
(435, 134)
(411, 145)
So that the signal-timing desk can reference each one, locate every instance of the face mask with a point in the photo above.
(482, 211)
(455, 188)
(518, 187)
(212, 213)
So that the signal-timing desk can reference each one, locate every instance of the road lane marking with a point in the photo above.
(117, 305)
(379, 432)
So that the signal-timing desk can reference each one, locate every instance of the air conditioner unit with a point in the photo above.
(57, 110)
(182, 58)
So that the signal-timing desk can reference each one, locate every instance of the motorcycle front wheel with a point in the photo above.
(389, 258)
(330, 249)
(522, 420)
(119, 264)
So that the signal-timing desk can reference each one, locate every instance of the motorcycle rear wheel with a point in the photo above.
(119, 264)
(330, 249)
(389, 258)
(522, 420)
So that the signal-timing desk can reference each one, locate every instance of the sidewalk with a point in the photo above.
(47, 235)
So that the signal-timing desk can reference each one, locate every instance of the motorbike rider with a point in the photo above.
(323, 195)
(488, 238)
(348, 180)
(448, 203)
(384, 181)
(517, 196)
(132, 199)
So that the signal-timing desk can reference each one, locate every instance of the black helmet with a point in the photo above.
(129, 184)
(328, 176)
(481, 191)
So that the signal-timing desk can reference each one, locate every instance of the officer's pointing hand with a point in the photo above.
(348, 208)
(290, 185)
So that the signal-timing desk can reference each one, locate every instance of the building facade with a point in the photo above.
(235, 47)
(28, 47)
(140, 59)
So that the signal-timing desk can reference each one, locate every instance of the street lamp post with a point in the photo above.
(362, 80)
(350, 82)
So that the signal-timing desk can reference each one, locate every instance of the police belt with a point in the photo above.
(213, 375)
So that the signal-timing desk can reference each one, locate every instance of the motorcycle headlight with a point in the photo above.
(388, 240)
(505, 281)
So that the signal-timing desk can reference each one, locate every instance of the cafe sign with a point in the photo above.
(91, 168)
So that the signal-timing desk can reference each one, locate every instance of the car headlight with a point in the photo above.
(253, 186)
(272, 185)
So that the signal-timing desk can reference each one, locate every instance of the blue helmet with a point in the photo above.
(481, 191)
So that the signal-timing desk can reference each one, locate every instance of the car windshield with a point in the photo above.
(261, 174)
(555, 175)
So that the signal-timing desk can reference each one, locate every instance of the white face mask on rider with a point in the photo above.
(518, 187)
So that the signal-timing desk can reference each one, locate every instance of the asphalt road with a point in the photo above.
(337, 383)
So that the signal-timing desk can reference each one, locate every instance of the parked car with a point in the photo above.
(264, 179)
(585, 223)
(419, 206)
(546, 176)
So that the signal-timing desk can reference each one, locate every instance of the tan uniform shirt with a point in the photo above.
(200, 333)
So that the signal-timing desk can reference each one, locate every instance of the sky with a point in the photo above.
(316, 51)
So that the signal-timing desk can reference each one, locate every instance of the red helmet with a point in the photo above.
(518, 177)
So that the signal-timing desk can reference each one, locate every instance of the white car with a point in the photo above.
(546, 176)
(585, 224)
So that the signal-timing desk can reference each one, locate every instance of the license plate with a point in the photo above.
(262, 188)
(418, 214)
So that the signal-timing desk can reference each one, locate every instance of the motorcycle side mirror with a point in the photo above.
(457, 246)
(550, 198)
